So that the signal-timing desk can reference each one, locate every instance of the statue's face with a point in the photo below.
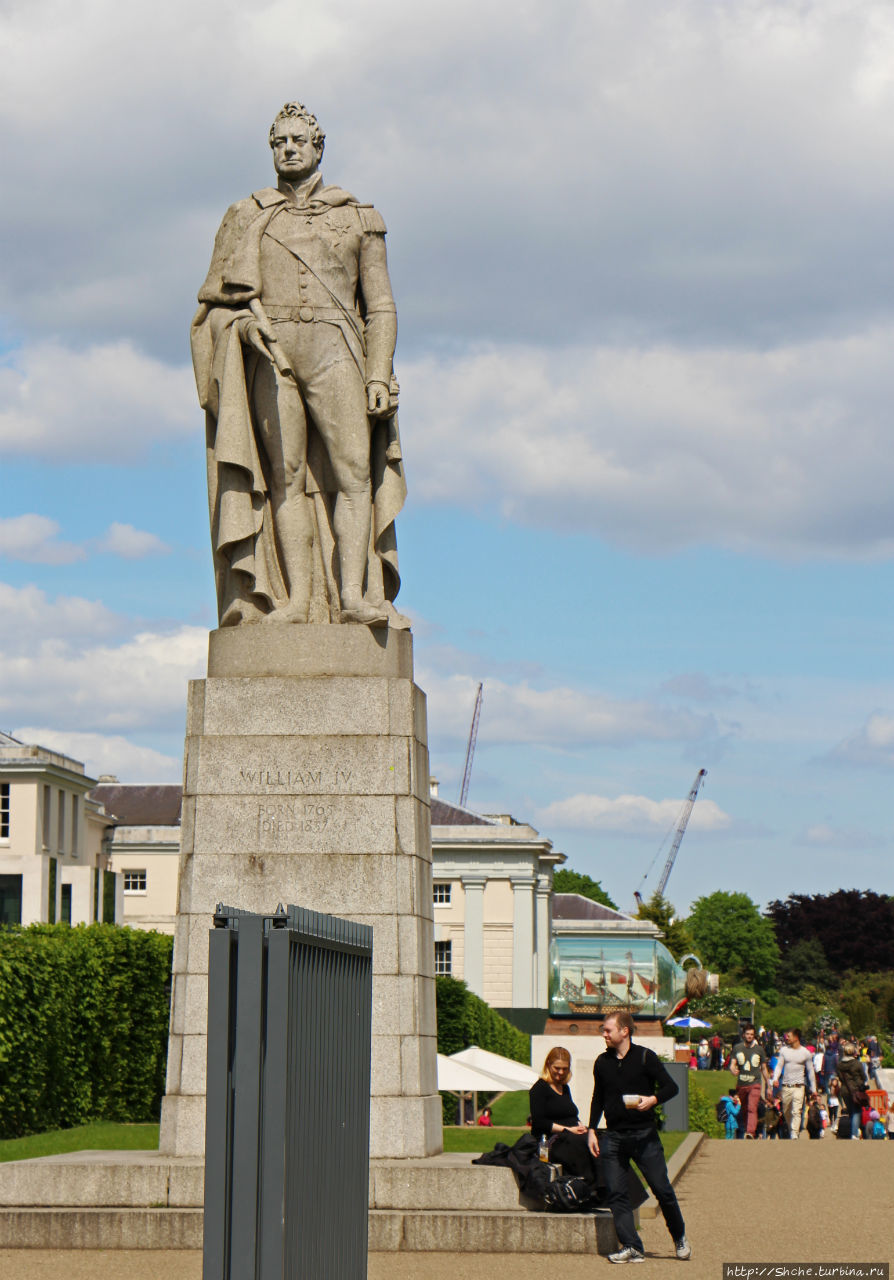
(294, 155)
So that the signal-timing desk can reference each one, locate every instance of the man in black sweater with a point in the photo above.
(629, 1082)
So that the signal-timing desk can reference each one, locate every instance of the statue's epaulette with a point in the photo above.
(371, 219)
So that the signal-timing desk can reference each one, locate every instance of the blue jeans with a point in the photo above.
(643, 1146)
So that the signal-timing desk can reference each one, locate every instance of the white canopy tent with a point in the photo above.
(475, 1071)
(460, 1077)
(513, 1075)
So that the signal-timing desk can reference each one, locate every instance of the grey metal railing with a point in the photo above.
(287, 1118)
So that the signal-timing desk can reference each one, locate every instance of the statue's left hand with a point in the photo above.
(378, 398)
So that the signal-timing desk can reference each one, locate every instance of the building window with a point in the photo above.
(75, 823)
(60, 824)
(443, 958)
(441, 894)
(135, 882)
(4, 810)
(47, 801)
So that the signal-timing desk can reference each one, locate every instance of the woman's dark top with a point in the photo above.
(548, 1108)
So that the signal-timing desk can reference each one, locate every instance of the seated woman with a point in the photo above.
(554, 1115)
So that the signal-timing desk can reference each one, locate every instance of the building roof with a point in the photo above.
(7, 740)
(450, 815)
(574, 906)
(139, 804)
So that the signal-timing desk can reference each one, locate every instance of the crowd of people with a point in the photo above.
(785, 1087)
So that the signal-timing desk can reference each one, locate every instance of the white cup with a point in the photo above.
(630, 1100)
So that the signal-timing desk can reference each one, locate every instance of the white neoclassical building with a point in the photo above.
(492, 886)
(53, 862)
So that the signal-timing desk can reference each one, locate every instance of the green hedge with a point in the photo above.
(83, 1025)
(464, 1019)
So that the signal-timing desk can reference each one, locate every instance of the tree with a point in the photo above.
(855, 927)
(805, 963)
(677, 937)
(568, 881)
(731, 935)
(863, 1015)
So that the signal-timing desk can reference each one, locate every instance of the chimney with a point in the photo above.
(433, 788)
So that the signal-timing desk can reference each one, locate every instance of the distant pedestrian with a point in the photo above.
(728, 1107)
(748, 1063)
(716, 1052)
(794, 1070)
(485, 1119)
(834, 1103)
(703, 1055)
(854, 1083)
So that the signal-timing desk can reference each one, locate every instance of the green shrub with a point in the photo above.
(464, 1020)
(702, 1116)
(83, 1025)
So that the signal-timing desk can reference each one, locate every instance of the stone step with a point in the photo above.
(145, 1179)
(390, 1230)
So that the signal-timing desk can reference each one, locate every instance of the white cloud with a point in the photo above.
(108, 403)
(853, 840)
(28, 617)
(104, 753)
(783, 450)
(872, 744)
(630, 814)
(130, 543)
(593, 190)
(561, 716)
(138, 684)
(33, 538)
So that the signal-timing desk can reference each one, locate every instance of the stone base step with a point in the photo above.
(390, 1230)
(435, 1231)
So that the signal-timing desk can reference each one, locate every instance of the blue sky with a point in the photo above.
(644, 275)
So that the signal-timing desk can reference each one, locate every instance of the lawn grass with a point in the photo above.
(479, 1138)
(101, 1136)
(713, 1083)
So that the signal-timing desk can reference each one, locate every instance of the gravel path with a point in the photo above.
(765, 1202)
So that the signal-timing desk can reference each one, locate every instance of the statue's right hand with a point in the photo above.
(254, 333)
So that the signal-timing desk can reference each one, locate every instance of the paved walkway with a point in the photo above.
(767, 1202)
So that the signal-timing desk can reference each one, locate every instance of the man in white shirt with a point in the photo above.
(795, 1067)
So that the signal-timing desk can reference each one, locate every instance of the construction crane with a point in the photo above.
(470, 749)
(679, 833)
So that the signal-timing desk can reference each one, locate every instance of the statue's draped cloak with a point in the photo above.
(248, 575)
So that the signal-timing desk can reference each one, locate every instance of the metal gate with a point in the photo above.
(287, 1136)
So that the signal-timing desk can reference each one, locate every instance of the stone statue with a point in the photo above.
(292, 347)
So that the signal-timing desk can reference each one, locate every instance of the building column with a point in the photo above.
(522, 941)
(542, 942)
(473, 933)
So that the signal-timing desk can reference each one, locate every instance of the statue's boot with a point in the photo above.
(294, 611)
(361, 611)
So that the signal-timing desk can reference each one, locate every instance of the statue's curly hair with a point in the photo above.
(298, 111)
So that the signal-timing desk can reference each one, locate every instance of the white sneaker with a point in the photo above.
(628, 1254)
(683, 1249)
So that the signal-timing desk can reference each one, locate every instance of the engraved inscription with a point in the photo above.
(281, 822)
(298, 779)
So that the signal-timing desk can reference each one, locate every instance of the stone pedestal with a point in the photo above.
(306, 781)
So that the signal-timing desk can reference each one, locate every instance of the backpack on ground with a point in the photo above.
(568, 1195)
(721, 1109)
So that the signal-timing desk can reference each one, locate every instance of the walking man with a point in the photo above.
(795, 1068)
(748, 1063)
(629, 1082)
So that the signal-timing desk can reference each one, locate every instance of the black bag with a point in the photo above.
(568, 1195)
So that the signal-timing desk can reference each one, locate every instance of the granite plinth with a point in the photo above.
(306, 781)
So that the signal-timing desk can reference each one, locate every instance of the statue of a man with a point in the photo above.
(292, 348)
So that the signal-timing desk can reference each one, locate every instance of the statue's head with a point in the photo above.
(298, 111)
